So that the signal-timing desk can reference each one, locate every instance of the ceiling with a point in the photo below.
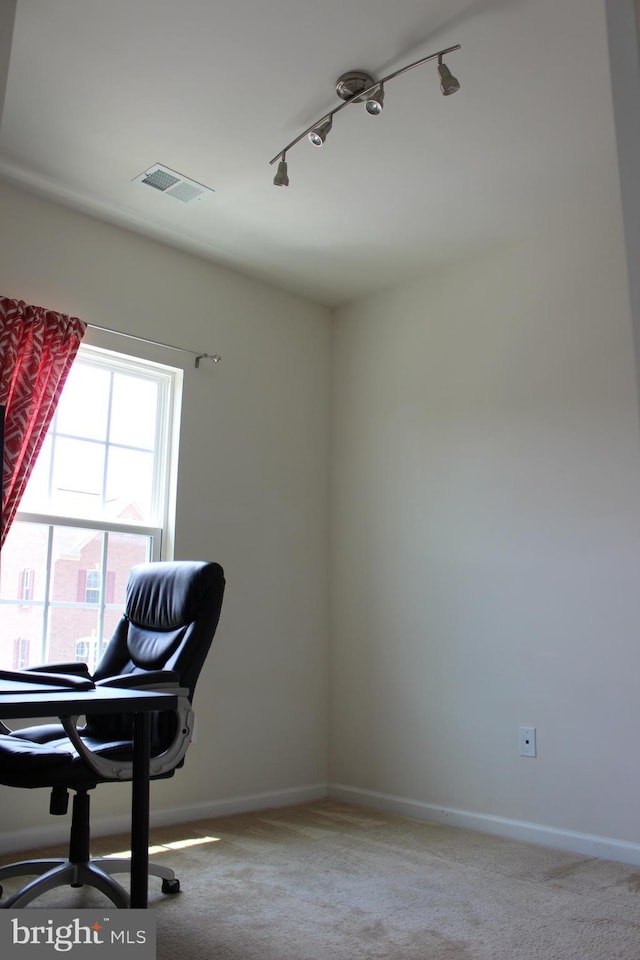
(97, 92)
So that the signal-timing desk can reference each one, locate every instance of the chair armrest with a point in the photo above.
(71, 680)
(72, 667)
(109, 768)
(157, 679)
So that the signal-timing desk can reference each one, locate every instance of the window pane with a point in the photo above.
(21, 620)
(78, 471)
(130, 485)
(36, 496)
(75, 553)
(84, 405)
(133, 411)
(24, 549)
(124, 550)
(21, 636)
(66, 627)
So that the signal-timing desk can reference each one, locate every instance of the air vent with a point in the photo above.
(172, 184)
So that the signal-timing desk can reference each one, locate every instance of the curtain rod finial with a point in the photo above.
(207, 356)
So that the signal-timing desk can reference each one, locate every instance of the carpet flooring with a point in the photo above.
(331, 881)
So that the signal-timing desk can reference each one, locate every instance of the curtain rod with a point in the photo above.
(215, 357)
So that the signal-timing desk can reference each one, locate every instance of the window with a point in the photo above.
(92, 586)
(20, 653)
(86, 650)
(98, 501)
(25, 587)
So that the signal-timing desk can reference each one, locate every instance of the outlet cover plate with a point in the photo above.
(527, 741)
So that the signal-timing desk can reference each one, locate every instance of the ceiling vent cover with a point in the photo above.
(172, 184)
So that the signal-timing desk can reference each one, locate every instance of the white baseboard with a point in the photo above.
(586, 844)
(58, 832)
(243, 804)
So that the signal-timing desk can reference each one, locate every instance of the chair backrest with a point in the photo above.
(169, 620)
(170, 617)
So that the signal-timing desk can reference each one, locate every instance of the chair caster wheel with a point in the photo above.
(171, 886)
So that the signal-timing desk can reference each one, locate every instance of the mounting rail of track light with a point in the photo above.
(359, 87)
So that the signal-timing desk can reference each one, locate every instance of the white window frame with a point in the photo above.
(170, 380)
(161, 533)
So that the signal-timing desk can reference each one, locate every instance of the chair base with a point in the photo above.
(79, 869)
(50, 873)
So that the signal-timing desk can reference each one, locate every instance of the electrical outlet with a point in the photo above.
(528, 742)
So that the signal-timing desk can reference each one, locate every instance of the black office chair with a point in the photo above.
(161, 641)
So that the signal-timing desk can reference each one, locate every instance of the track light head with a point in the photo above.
(375, 102)
(448, 83)
(281, 178)
(318, 135)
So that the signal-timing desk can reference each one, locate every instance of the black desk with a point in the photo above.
(52, 702)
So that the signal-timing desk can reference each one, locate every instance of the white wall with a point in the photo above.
(252, 484)
(486, 517)
(486, 532)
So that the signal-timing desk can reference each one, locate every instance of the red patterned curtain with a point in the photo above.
(37, 348)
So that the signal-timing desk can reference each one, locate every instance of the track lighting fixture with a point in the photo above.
(318, 135)
(375, 102)
(359, 87)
